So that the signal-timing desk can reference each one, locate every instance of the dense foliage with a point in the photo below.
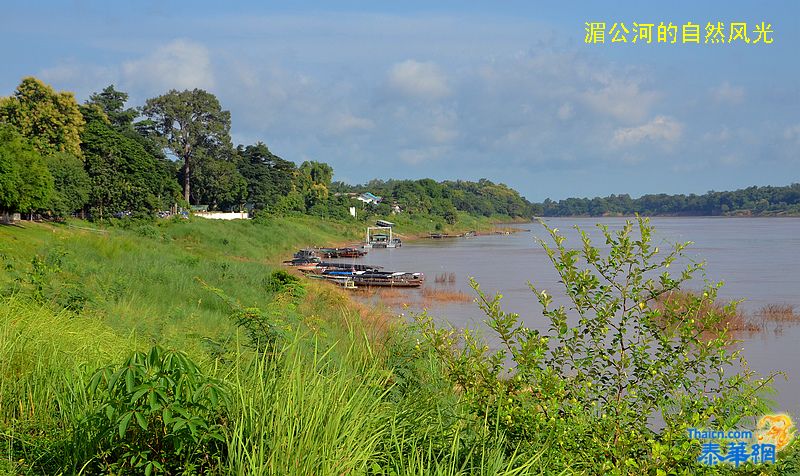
(123, 175)
(25, 182)
(50, 121)
(747, 201)
(483, 197)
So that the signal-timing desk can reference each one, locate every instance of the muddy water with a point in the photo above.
(758, 259)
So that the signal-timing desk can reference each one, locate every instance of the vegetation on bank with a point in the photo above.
(751, 201)
(104, 159)
(177, 348)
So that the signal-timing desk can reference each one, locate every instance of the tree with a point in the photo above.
(269, 177)
(71, 184)
(217, 182)
(187, 120)
(112, 102)
(618, 352)
(50, 121)
(124, 175)
(25, 182)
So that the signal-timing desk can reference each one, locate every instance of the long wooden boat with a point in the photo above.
(371, 278)
(389, 279)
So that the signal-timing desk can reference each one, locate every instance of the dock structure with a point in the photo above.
(380, 237)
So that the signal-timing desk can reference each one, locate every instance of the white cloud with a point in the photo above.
(727, 94)
(624, 100)
(179, 64)
(419, 79)
(661, 129)
(344, 123)
(416, 156)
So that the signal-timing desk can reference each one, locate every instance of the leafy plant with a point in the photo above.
(158, 413)
(265, 328)
(611, 363)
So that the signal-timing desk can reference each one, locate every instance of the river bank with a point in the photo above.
(289, 356)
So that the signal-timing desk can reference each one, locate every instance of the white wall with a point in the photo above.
(222, 215)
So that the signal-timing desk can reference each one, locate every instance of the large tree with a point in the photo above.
(216, 180)
(25, 182)
(188, 120)
(50, 121)
(71, 184)
(124, 175)
(269, 177)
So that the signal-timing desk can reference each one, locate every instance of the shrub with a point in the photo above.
(158, 413)
(609, 365)
(279, 280)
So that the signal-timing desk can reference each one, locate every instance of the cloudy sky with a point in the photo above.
(450, 89)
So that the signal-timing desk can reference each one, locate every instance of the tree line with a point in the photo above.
(103, 158)
(762, 201)
(481, 198)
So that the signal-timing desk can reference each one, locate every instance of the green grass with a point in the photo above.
(78, 297)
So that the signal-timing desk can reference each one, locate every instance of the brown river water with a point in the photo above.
(758, 259)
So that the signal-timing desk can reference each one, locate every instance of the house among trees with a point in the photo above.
(369, 198)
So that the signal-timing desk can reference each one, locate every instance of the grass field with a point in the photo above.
(324, 401)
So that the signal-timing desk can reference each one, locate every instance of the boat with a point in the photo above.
(368, 278)
(320, 267)
(348, 252)
(400, 279)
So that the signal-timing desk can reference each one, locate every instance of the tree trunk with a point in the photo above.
(186, 179)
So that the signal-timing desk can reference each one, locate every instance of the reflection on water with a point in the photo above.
(757, 258)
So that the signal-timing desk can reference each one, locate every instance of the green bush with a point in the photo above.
(158, 413)
(279, 280)
(609, 364)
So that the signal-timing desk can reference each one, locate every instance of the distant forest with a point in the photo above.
(751, 201)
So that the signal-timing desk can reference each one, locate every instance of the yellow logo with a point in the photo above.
(775, 429)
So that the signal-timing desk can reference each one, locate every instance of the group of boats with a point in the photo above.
(350, 275)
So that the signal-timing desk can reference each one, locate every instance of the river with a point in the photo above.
(758, 259)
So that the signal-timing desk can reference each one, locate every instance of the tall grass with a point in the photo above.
(301, 413)
(45, 360)
(339, 397)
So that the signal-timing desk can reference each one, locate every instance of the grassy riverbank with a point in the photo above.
(292, 376)
(78, 297)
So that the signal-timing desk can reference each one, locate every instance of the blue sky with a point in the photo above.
(444, 89)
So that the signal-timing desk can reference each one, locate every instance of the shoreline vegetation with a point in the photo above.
(750, 201)
(132, 344)
(284, 355)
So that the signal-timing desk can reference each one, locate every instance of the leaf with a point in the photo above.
(123, 423)
(139, 393)
(129, 381)
(140, 419)
(178, 426)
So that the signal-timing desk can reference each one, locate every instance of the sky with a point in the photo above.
(505, 90)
